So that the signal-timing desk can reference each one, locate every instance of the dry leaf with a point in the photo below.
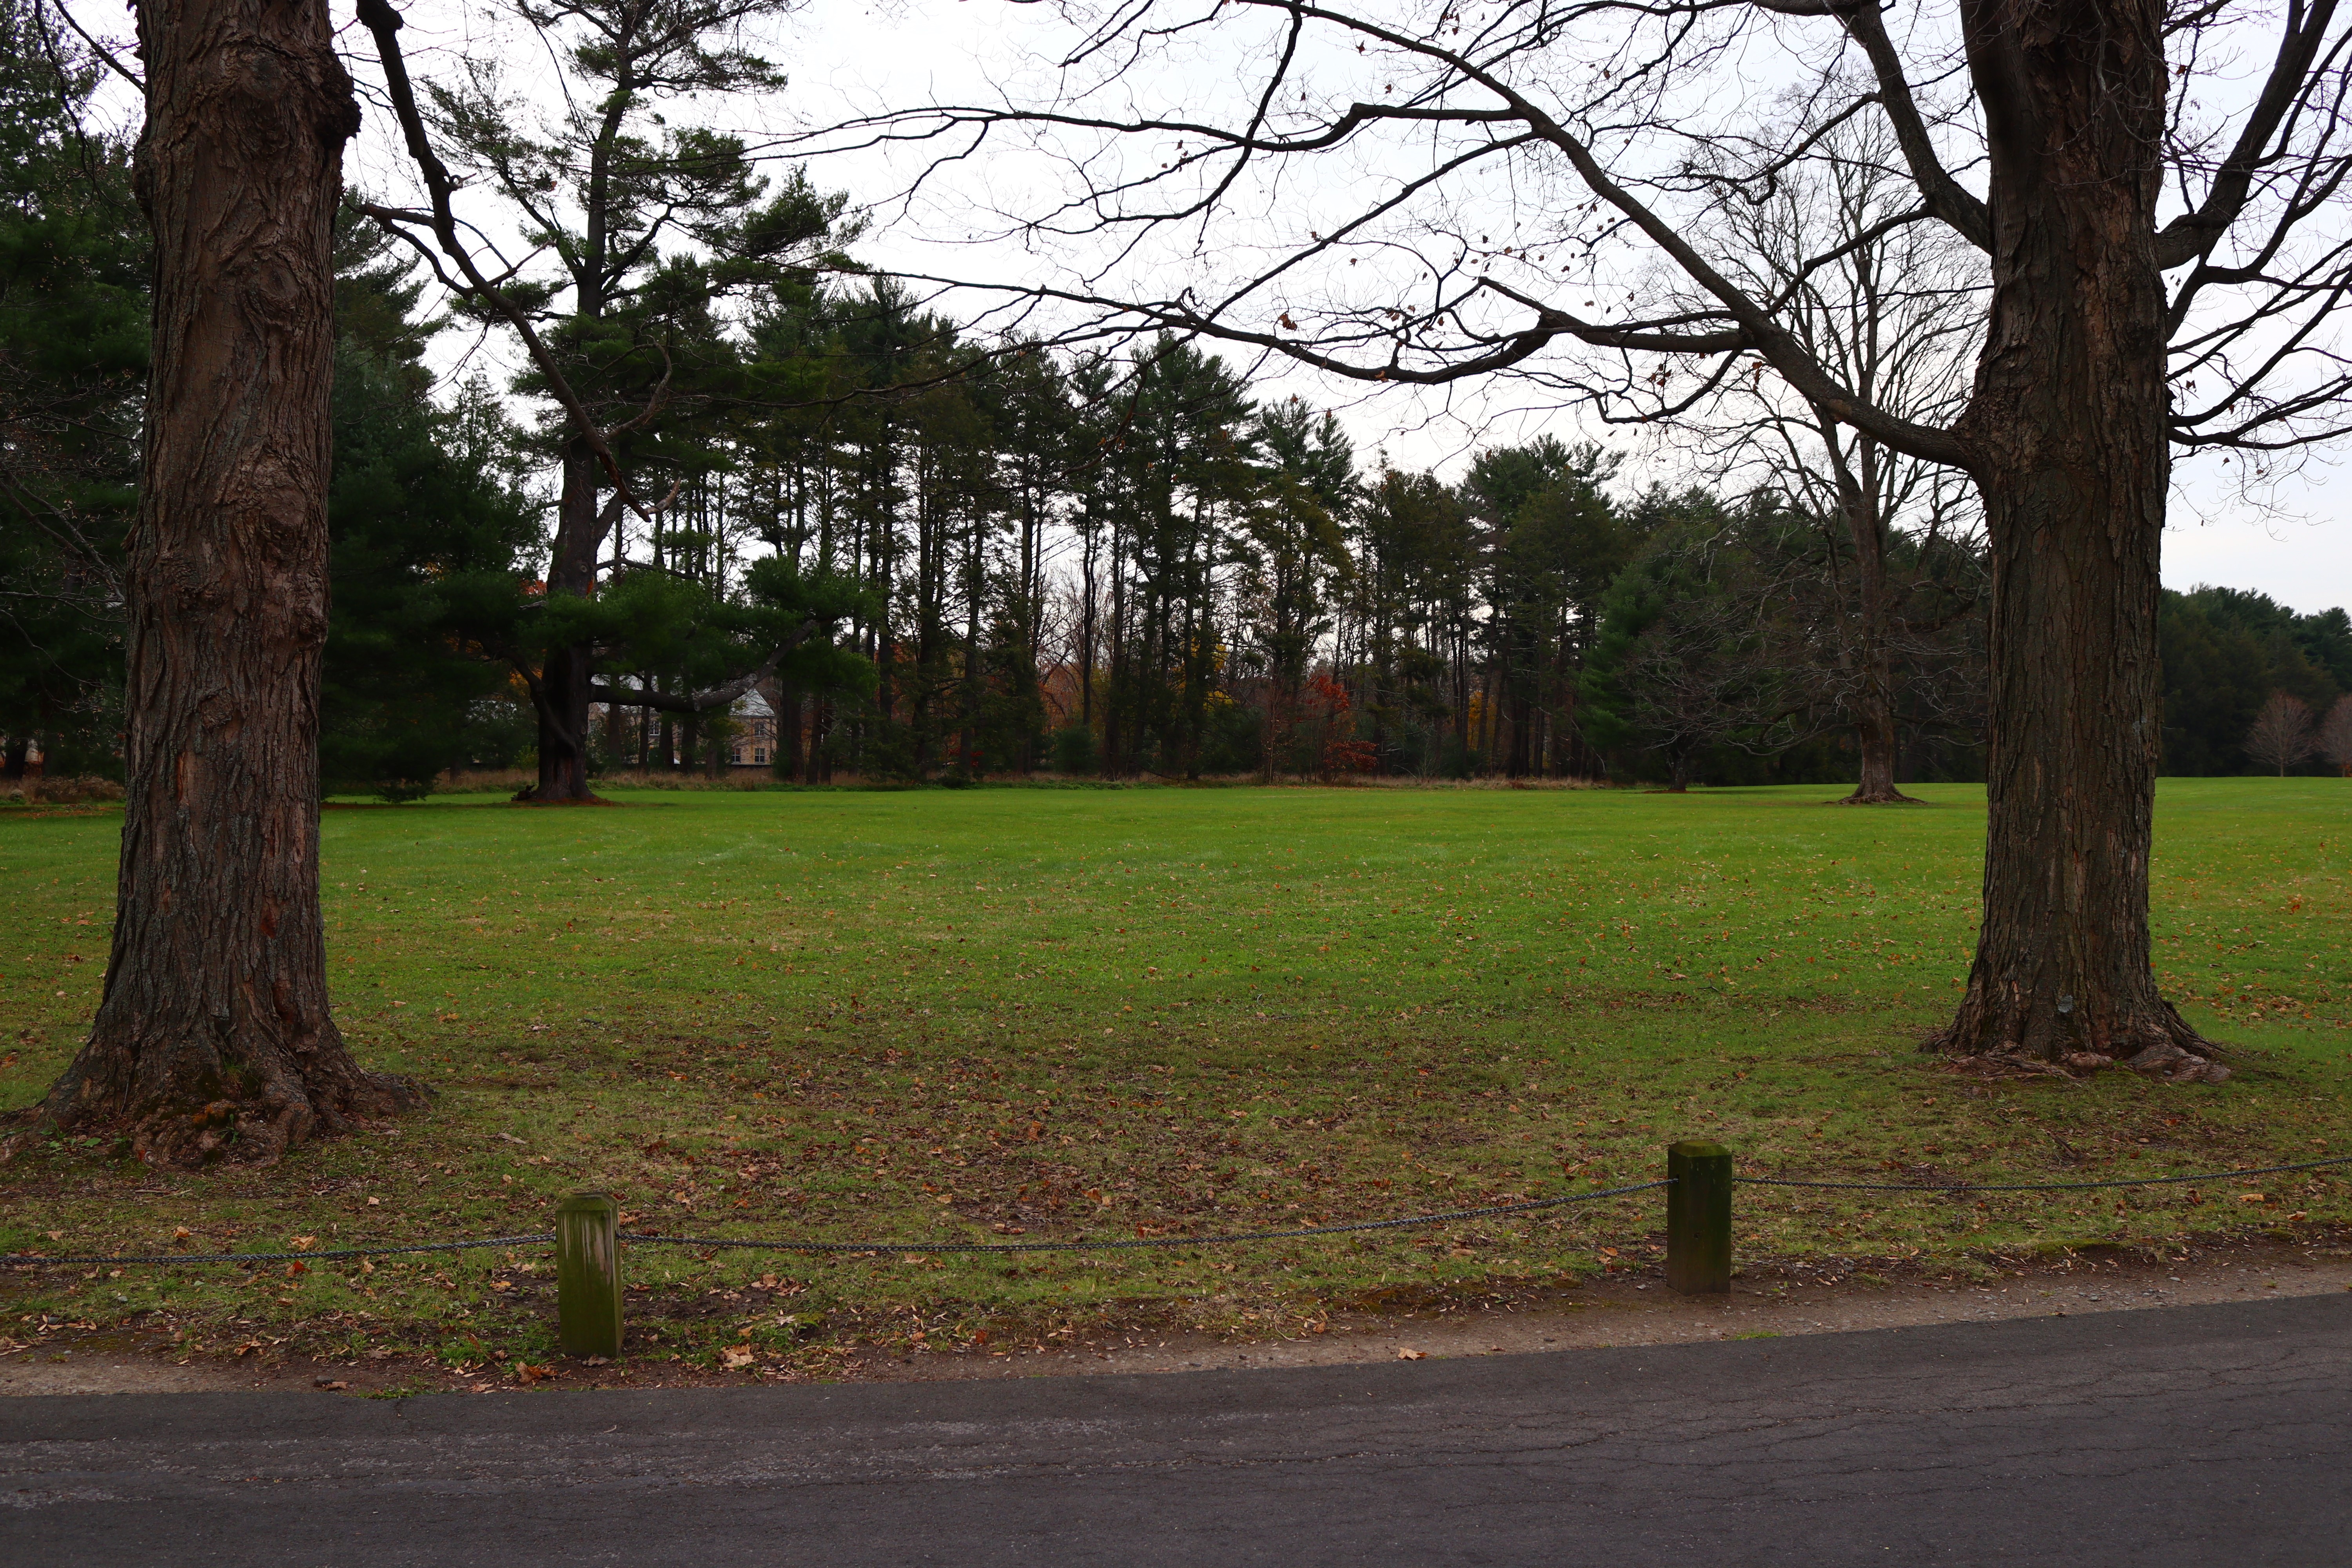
(1407, 1352)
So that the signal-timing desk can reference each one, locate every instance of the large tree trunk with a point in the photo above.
(214, 1036)
(1874, 731)
(1873, 703)
(560, 695)
(2069, 418)
(787, 754)
(1678, 768)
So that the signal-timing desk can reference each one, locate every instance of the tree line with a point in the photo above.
(1119, 562)
(705, 366)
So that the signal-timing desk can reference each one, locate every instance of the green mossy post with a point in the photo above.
(588, 1275)
(1698, 1219)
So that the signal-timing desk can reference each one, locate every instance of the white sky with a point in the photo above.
(847, 57)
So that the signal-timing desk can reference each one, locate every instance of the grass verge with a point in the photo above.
(991, 1015)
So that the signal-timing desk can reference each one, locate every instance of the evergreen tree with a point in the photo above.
(73, 364)
(652, 226)
(431, 541)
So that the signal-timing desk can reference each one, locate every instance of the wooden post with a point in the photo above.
(1698, 1219)
(588, 1275)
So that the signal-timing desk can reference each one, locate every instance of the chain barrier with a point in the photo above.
(35, 1259)
(1131, 1242)
(1948, 1188)
(30, 1260)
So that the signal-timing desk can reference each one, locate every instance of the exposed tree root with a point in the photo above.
(2041, 1042)
(185, 1128)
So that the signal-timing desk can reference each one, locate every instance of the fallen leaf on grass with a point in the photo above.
(1407, 1352)
(735, 1357)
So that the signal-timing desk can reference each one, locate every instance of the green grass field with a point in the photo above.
(1079, 1013)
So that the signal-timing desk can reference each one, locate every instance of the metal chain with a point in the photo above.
(1133, 1242)
(2040, 1186)
(25, 1259)
(31, 1259)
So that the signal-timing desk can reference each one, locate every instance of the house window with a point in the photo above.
(760, 756)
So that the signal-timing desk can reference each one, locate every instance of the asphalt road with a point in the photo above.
(2190, 1436)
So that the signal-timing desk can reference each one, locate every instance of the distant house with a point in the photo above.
(755, 731)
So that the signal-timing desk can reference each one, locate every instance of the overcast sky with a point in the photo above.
(847, 57)
(2296, 546)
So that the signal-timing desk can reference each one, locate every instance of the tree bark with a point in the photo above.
(1874, 716)
(1874, 731)
(214, 1037)
(2069, 424)
(1678, 768)
(787, 754)
(560, 695)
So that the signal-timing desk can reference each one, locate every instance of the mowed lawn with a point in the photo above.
(1073, 1013)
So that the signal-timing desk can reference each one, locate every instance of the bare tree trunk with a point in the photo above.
(560, 694)
(213, 1037)
(1873, 730)
(1874, 702)
(2070, 417)
(1678, 765)
(788, 734)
